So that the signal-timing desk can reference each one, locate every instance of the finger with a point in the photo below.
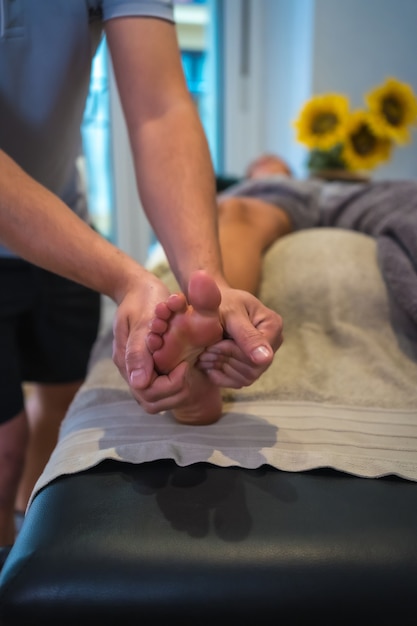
(259, 342)
(223, 352)
(230, 376)
(165, 392)
(226, 348)
(120, 337)
(222, 378)
(230, 372)
(133, 358)
(242, 368)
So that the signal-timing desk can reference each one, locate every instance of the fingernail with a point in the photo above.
(137, 378)
(261, 354)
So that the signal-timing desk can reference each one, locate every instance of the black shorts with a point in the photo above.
(48, 326)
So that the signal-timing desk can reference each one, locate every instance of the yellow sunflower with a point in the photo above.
(363, 149)
(321, 122)
(394, 108)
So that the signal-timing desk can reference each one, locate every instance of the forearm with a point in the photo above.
(173, 166)
(178, 193)
(39, 227)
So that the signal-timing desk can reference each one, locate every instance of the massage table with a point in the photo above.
(298, 506)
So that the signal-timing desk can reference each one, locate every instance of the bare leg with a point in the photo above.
(46, 406)
(181, 331)
(247, 228)
(13, 441)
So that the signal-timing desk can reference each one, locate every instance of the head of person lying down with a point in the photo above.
(263, 166)
(267, 165)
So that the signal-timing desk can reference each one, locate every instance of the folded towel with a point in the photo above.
(341, 391)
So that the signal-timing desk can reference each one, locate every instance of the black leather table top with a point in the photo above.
(134, 544)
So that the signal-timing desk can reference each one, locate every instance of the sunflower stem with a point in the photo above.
(326, 159)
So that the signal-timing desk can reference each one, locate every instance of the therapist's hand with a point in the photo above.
(136, 307)
(253, 333)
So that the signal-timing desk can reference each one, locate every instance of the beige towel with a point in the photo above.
(341, 392)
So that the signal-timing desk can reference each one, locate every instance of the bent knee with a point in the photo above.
(235, 209)
(266, 220)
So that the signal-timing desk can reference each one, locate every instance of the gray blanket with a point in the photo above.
(384, 210)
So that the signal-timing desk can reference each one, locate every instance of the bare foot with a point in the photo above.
(180, 331)
(204, 404)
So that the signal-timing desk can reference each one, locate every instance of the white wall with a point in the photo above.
(243, 83)
(313, 46)
(357, 44)
(289, 40)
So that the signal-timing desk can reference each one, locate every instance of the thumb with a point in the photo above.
(130, 352)
(140, 368)
(262, 354)
(138, 362)
(253, 343)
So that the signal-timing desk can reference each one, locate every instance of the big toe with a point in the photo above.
(203, 293)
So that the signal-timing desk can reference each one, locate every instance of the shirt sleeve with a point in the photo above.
(162, 9)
